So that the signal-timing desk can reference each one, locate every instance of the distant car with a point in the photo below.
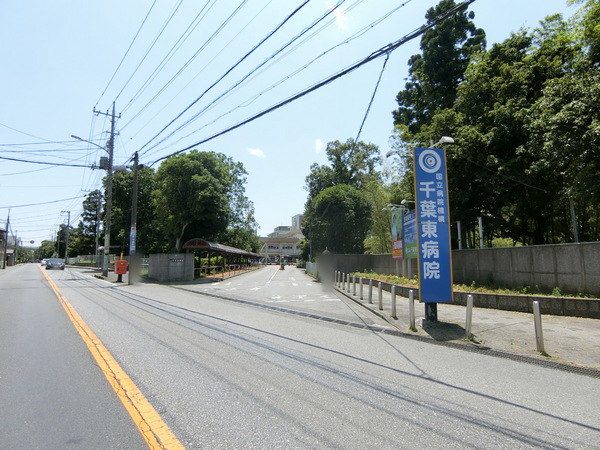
(43, 262)
(55, 263)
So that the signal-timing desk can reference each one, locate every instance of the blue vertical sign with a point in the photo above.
(433, 226)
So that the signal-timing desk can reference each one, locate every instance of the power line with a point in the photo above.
(218, 98)
(378, 53)
(151, 47)
(45, 163)
(256, 73)
(126, 53)
(262, 41)
(42, 203)
(182, 39)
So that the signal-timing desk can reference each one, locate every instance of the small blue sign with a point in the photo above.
(433, 226)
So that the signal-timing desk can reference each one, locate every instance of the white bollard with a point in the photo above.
(370, 291)
(354, 285)
(380, 289)
(360, 284)
(348, 283)
(469, 318)
(394, 302)
(539, 335)
(411, 309)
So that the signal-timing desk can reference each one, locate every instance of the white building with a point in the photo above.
(283, 242)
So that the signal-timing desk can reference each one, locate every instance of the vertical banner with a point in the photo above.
(410, 236)
(397, 226)
(433, 226)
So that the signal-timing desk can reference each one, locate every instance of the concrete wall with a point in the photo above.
(573, 268)
(171, 267)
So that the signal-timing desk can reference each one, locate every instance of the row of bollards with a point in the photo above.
(348, 284)
(345, 283)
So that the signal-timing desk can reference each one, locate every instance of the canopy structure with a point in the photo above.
(200, 245)
(233, 261)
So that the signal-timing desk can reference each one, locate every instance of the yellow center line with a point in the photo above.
(154, 430)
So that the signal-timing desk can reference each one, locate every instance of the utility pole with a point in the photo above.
(133, 259)
(109, 179)
(5, 241)
(68, 233)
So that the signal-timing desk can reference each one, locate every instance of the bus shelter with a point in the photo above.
(220, 259)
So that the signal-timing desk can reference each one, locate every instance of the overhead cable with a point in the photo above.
(126, 53)
(184, 36)
(227, 72)
(245, 77)
(377, 54)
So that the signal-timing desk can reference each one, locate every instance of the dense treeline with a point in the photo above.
(197, 194)
(525, 118)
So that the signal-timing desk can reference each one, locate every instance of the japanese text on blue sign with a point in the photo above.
(433, 226)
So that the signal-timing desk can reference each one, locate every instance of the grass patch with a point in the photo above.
(488, 288)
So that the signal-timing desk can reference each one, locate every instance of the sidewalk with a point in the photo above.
(570, 340)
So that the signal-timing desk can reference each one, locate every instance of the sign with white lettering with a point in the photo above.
(433, 226)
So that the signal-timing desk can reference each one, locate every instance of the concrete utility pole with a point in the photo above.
(109, 179)
(133, 259)
(68, 233)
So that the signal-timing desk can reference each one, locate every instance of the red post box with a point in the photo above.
(121, 267)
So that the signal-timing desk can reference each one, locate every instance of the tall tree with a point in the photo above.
(339, 220)
(147, 236)
(435, 74)
(352, 167)
(196, 195)
(352, 163)
(83, 241)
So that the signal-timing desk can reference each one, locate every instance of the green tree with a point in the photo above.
(339, 220)
(197, 194)
(147, 233)
(352, 166)
(352, 163)
(379, 238)
(435, 74)
(45, 250)
(83, 238)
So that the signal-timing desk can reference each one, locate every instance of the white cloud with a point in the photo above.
(318, 145)
(257, 152)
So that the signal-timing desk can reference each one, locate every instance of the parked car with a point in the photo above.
(55, 263)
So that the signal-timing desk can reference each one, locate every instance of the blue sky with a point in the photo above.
(63, 59)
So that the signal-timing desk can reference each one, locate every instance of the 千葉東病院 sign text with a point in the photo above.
(433, 226)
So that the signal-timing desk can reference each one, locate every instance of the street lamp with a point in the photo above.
(109, 179)
(443, 140)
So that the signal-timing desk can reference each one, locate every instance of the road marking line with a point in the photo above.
(271, 279)
(155, 432)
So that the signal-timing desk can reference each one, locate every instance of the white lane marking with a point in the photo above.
(271, 279)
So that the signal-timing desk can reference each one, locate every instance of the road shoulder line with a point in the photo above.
(154, 430)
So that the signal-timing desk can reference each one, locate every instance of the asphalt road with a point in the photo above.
(235, 367)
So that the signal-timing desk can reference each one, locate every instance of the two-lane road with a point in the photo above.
(226, 371)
